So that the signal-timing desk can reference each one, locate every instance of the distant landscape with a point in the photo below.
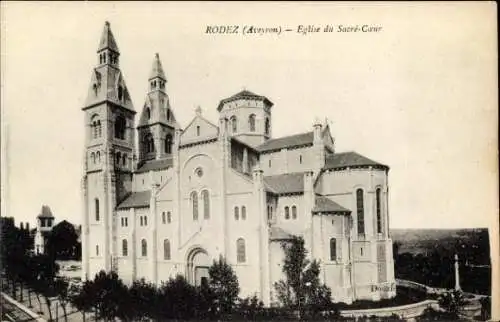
(426, 256)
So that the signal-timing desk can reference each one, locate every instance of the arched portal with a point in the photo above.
(198, 263)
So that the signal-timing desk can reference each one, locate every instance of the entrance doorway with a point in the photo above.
(198, 263)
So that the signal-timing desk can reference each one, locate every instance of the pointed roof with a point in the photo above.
(287, 142)
(45, 212)
(107, 39)
(285, 183)
(157, 69)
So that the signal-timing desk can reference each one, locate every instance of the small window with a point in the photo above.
(360, 212)
(98, 157)
(234, 124)
(97, 250)
(294, 212)
(333, 249)
(118, 158)
(300, 159)
(287, 212)
(169, 217)
(198, 130)
(148, 113)
(120, 127)
(361, 251)
(379, 212)
(122, 222)
(267, 126)
(124, 247)
(97, 215)
(236, 213)
(206, 204)
(124, 159)
(141, 220)
(126, 222)
(243, 213)
(92, 156)
(269, 213)
(269, 163)
(145, 220)
(163, 218)
(168, 144)
(120, 93)
(251, 123)
(194, 204)
(166, 249)
(240, 251)
(144, 248)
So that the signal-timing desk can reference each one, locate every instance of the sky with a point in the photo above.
(419, 95)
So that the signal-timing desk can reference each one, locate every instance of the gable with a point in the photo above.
(200, 129)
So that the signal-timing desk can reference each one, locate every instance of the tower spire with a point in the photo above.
(157, 69)
(107, 39)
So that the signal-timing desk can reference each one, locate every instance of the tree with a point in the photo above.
(223, 286)
(61, 289)
(108, 294)
(44, 282)
(178, 300)
(301, 289)
(144, 301)
(82, 297)
(452, 302)
(62, 242)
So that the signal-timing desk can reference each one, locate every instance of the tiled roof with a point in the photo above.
(325, 205)
(287, 142)
(45, 212)
(242, 95)
(136, 200)
(155, 165)
(285, 183)
(276, 233)
(350, 159)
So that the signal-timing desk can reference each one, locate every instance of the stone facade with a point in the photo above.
(181, 197)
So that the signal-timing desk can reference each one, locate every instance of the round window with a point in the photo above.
(199, 172)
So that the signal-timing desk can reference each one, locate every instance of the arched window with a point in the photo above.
(267, 126)
(144, 248)
(243, 213)
(168, 114)
(145, 220)
(168, 144)
(198, 130)
(149, 143)
(118, 158)
(169, 217)
(97, 250)
(379, 214)
(287, 212)
(234, 124)
(96, 202)
(236, 213)
(148, 113)
(294, 212)
(104, 57)
(124, 247)
(92, 157)
(95, 126)
(94, 87)
(120, 127)
(120, 93)
(166, 250)
(240, 250)
(163, 218)
(251, 123)
(100, 59)
(206, 204)
(124, 159)
(99, 128)
(194, 204)
(333, 249)
(98, 157)
(269, 213)
(360, 211)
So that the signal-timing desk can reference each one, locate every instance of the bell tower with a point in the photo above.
(157, 121)
(108, 155)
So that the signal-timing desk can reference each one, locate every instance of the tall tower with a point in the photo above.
(157, 122)
(109, 155)
(249, 117)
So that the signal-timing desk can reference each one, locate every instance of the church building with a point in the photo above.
(162, 199)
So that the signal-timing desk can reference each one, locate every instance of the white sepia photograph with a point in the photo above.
(249, 161)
